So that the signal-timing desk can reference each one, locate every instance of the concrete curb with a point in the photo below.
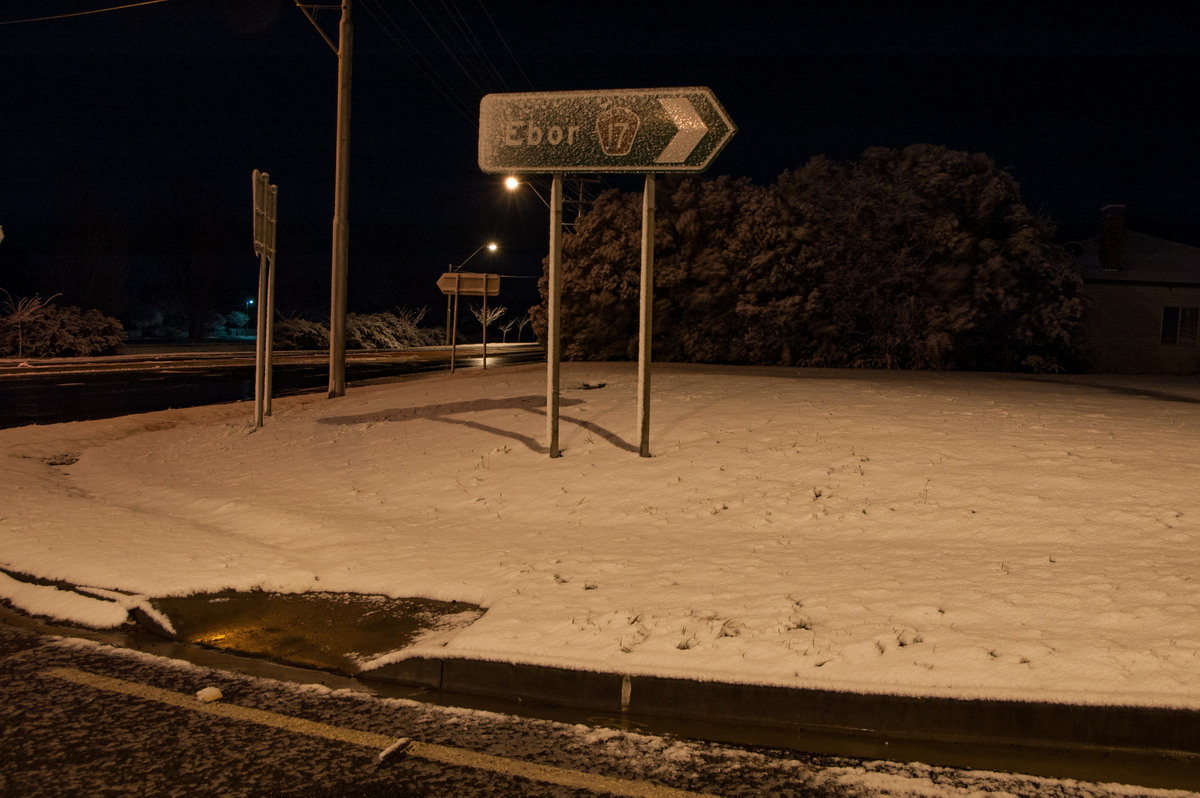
(1144, 746)
(1149, 729)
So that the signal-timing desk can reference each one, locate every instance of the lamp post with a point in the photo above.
(512, 184)
(554, 287)
(490, 246)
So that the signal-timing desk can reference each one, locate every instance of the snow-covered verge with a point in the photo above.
(935, 534)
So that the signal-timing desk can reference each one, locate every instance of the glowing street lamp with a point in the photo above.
(490, 246)
(512, 184)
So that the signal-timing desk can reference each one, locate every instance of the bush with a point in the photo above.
(300, 334)
(236, 322)
(921, 258)
(363, 331)
(385, 331)
(52, 331)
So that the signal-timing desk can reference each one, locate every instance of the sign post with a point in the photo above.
(458, 284)
(644, 131)
(646, 317)
(554, 315)
(265, 202)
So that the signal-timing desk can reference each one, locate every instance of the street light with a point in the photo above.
(512, 184)
(490, 246)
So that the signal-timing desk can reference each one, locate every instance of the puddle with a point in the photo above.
(330, 631)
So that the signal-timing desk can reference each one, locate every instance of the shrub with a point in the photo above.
(300, 334)
(45, 330)
(363, 331)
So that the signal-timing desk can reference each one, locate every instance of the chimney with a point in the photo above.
(1112, 237)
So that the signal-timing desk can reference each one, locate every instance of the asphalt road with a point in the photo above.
(53, 391)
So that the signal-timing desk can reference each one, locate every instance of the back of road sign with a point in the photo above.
(623, 130)
(469, 284)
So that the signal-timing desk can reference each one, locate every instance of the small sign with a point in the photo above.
(623, 130)
(264, 213)
(469, 284)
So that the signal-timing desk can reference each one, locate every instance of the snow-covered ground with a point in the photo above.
(935, 534)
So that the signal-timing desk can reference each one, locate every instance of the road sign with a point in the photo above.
(469, 284)
(624, 130)
(264, 212)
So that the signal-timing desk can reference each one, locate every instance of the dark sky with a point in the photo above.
(148, 121)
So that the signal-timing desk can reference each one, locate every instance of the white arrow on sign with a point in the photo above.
(691, 130)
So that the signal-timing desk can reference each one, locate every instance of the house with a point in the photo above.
(1144, 299)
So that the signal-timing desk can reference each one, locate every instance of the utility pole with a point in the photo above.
(341, 199)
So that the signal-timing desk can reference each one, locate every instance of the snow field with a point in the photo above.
(926, 533)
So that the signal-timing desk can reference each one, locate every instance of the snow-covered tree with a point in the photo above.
(917, 258)
(397, 330)
(384, 331)
(295, 332)
(929, 259)
(35, 327)
(489, 316)
(708, 235)
(524, 322)
(721, 248)
(600, 281)
(22, 312)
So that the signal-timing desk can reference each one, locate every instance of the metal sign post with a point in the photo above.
(456, 284)
(265, 208)
(269, 308)
(646, 317)
(554, 315)
(454, 330)
(625, 130)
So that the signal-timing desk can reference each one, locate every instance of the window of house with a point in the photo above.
(1179, 325)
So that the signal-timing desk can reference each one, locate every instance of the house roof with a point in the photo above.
(1144, 259)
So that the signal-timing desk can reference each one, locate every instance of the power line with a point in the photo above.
(393, 30)
(474, 45)
(451, 29)
(453, 56)
(82, 13)
(500, 36)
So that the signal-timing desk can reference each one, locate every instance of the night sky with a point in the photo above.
(146, 123)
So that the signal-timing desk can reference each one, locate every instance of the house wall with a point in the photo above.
(1125, 328)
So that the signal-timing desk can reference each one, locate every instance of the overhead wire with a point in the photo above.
(395, 32)
(457, 38)
(472, 77)
(507, 49)
(89, 12)
(475, 46)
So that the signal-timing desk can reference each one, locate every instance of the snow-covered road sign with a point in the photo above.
(469, 284)
(623, 130)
